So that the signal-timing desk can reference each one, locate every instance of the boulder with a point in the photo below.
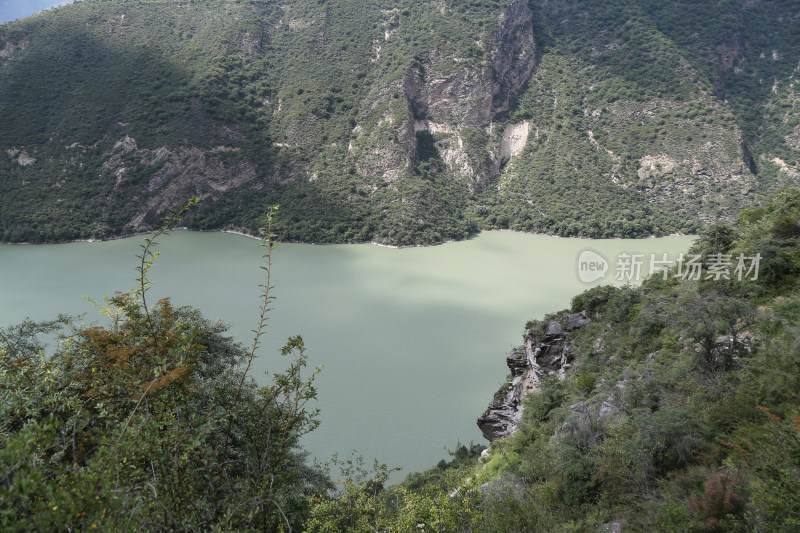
(554, 329)
(576, 320)
(517, 361)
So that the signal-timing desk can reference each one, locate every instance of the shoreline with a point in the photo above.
(128, 236)
(382, 245)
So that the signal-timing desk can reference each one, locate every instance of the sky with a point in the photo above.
(16, 9)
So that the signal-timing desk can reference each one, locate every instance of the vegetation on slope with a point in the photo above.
(235, 91)
(642, 117)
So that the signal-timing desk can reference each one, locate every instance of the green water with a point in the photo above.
(412, 341)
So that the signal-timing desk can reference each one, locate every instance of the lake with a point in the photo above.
(412, 341)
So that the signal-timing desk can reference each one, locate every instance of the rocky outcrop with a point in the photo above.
(543, 354)
(20, 157)
(8, 48)
(514, 55)
(458, 104)
(515, 137)
(473, 95)
(177, 174)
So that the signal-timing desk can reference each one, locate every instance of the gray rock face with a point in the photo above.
(554, 329)
(473, 95)
(457, 100)
(587, 424)
(538, 357)
(575, 320)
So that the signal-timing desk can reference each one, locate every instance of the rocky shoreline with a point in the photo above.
(543, 354)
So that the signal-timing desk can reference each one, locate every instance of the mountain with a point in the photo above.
(399, 122)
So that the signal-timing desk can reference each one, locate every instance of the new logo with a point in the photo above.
(591, 266)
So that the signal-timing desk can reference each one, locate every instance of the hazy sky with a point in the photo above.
(16, 9)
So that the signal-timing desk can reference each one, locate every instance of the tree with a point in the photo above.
(152, 422)
(715, 239)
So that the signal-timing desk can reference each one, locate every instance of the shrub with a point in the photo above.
(721, 497)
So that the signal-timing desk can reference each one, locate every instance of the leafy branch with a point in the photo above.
(148, 256)
(269, 244)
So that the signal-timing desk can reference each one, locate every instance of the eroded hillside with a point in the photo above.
(396, 122)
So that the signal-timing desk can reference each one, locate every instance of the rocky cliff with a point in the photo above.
(449, 103)
(543, 354)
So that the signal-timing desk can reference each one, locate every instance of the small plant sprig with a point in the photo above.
(148, 256)
(267, 242)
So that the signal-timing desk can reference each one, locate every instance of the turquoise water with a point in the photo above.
(412, 341)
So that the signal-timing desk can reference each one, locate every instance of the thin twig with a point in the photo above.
(262, 319)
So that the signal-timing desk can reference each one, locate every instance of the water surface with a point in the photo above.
(412, 341)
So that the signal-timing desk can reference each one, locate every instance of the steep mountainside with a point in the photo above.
(402, 122)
